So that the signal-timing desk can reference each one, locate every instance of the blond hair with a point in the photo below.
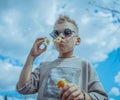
(63, 19)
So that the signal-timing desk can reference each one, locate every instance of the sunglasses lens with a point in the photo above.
(54, 34)
(67, 32)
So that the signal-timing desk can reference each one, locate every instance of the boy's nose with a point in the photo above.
(62, 36)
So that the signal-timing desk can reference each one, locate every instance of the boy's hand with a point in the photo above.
(71, 92)
(36, 50)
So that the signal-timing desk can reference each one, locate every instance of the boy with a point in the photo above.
(82, 79)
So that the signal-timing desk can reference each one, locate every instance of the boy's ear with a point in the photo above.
(78, 41)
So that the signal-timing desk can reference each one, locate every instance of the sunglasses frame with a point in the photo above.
(52, 34)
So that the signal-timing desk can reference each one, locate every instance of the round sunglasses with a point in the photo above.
(67, 33)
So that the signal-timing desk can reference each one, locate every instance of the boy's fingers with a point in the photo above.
(65, 88)
(69, 92)
(79, 97)
(39, 38)
(74, 95)
(38, 43)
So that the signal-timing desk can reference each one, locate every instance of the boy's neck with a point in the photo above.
(66, 55)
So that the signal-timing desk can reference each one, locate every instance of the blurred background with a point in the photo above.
(22, 21)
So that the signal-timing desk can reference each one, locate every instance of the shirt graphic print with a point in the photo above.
(71, 75)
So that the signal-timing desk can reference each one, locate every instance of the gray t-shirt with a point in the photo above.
(74, 70)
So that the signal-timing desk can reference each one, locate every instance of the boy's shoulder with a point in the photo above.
(82, 60)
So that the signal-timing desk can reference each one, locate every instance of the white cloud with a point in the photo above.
(99, 37)
(85, 19)
(115, 91)
(98, 56)
(9, 76)
(10, 33)
(111, 99)
(52, 14)
(26, 97)
(11, 17)
(103, 15)
(1, 98)
(117, 78)
(106, 1)
(30, 97)
(19, 32)
(91, 41)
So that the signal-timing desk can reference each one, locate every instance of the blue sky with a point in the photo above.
(22, 21)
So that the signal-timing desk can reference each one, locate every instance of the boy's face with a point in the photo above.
(67, 43)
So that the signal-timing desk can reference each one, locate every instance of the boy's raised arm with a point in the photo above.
(25, 75)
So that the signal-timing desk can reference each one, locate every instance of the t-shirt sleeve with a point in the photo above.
(95, 88)
(32, 86)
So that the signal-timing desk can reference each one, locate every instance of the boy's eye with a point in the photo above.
(67, 32)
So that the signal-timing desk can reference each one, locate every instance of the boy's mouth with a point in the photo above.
(62, 45)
